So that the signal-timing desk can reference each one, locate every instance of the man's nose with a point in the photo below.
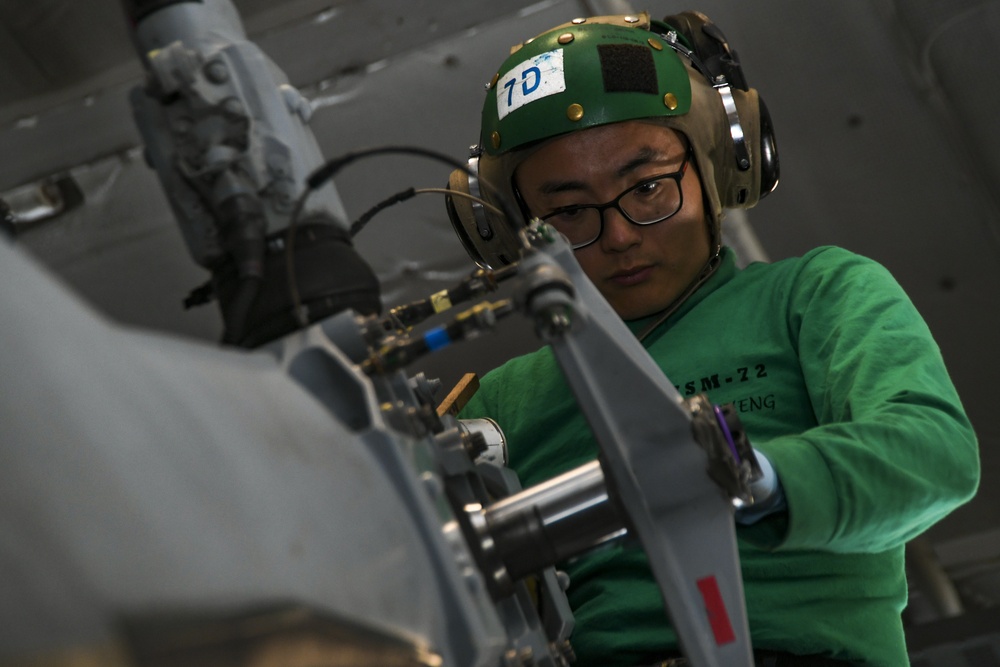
(619, 234)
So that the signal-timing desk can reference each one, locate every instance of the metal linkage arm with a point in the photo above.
(655, 469)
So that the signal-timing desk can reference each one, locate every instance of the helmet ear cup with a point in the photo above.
(487, 235)
(770, 170)
(463, 220)
(718, 63)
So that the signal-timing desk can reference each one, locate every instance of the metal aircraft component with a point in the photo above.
(284, 636)
(442, 460)
(233, 125)
(142, 474)
(655, 468)
(552, 521)
(229, 140)
(494, 441)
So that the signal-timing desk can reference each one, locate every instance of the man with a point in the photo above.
(631, 137)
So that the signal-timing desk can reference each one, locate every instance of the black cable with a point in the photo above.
(330, 168)
(358, 224)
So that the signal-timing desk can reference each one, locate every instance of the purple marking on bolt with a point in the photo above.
(725, 431)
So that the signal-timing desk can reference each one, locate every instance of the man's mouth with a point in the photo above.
(632, 276)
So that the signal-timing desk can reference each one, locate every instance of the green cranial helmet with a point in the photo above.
(586, 75)
(602, 70)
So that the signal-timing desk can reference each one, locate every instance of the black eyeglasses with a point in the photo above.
(647, 202)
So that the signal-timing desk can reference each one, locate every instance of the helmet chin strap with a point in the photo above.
(706, 272)
(714, 260)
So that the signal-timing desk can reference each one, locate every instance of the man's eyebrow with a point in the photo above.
(645, 155)
(554, 187)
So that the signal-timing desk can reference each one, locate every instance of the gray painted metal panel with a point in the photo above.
(143, 473)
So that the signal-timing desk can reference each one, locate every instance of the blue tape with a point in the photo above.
(437, 338)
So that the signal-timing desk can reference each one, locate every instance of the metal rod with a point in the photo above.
(553, 521)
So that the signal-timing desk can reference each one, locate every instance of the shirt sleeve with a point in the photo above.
(894, 451)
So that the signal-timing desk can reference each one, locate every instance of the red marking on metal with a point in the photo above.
(718, 617)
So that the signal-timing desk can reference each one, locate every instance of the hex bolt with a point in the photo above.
(233, 107)
(216, 71)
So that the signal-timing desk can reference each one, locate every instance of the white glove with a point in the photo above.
(768, 496)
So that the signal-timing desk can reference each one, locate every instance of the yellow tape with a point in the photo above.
(440, 301)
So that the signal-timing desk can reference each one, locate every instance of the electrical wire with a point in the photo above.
(328, 170)
(363, 220)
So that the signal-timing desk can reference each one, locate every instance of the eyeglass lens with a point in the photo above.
(646, 203)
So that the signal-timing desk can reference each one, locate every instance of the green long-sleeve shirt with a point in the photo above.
(838, 381)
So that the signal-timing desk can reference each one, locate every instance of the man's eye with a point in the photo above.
(565, 215)
(648, 189)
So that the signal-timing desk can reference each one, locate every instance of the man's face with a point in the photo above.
(640, 270)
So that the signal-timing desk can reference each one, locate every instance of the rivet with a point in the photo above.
(631, 19)
(579, 21)
(565, 38)
(655, 44)
(493, 81)
(670, 101)
(495, 138)
(574, 112)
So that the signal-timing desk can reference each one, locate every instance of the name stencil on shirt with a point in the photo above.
(533, 79)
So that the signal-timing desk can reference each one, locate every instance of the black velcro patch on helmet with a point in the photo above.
(627, 68)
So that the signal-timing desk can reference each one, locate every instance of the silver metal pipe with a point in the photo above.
(553, 521)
